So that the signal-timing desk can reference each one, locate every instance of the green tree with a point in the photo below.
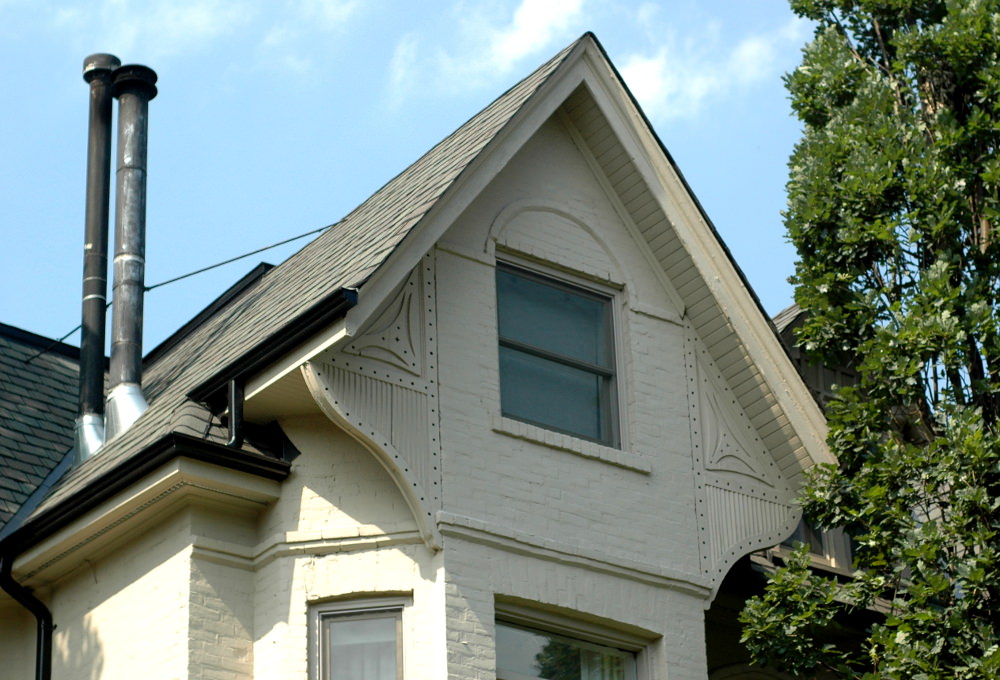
(893, 206)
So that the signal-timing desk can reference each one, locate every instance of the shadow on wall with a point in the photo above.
(77, 652)
(17, 640)
(223, 598)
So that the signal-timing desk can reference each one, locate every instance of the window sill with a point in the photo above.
(570, 444)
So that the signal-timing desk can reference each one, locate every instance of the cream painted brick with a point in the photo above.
(674, 620)
(336, 490)
(281, 649)
(17, 640)
(126, 615)
(551, 497)
(617, 513)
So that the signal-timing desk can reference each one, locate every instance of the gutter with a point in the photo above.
(9, 550)
(328, 309)
(131, 470)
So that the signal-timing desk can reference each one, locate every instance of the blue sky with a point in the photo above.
(276, 117)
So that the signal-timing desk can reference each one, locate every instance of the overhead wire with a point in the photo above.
(234, 259)
(180, 278)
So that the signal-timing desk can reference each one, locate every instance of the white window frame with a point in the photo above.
(572, 628)
(614, 407)
(320, 612)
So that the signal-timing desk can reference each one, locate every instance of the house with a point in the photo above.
(517, 415)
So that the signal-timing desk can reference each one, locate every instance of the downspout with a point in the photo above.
(89, 433)
(43, 617)
(134, 86)
(236, 396)
(10, 548)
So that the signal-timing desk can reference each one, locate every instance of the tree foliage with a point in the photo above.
(894, 206)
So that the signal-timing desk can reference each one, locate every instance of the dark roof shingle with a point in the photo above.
(38, 405)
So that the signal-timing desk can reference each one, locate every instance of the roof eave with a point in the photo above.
(132, 470)
(720, 274)
(328, 309)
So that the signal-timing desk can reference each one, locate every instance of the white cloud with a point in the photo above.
(487, 43)
(684, 76)
(157, 30)
(329, 13)
(290, 43)
(401, 68)
(646, 13)
(154, 29)
(535, 25)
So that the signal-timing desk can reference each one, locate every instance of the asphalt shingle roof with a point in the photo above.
(344, 256)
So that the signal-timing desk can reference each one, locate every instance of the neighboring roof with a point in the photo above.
(786, 317)
(39, 381)
(820, 378)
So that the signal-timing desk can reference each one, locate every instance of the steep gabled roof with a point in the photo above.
(365, 254)
(314, 284)
(38, 404)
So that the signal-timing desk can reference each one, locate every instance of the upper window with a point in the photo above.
(358, 643)
(526, 654)
(556, 355)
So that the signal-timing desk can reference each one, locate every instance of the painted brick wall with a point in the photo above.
(221, 622)
(645, 515)
(17, 640)
(126, 614)
(337, 490)
(341, 531)
(668, 622)
(613, 535)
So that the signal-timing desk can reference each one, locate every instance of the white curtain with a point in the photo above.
(598, 666)
(363, 649)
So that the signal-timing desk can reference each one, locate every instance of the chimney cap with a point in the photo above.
(134, 78)
(99, 64)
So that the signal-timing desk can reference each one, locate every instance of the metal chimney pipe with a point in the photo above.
(133, 86)
(97, 70)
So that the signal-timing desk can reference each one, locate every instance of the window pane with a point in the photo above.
(806, 533)
(533, 654)
(551, 394)
(362, 648)
(551, 317)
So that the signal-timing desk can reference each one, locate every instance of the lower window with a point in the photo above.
(358, 642)
(528, 654)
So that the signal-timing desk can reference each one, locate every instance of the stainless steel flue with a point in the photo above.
(97, 69)
(133, 86)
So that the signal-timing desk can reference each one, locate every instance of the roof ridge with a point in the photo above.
(45, 344)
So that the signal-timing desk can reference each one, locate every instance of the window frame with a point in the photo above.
(322, 612)
(567, 626)
(609, 374)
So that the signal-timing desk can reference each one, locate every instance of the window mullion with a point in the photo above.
(557, 357)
